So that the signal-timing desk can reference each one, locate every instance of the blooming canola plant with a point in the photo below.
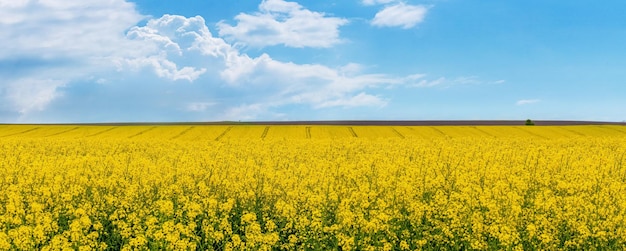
(257, 187)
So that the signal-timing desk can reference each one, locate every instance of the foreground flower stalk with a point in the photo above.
(156, 188)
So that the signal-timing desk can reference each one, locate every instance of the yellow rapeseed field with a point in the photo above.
(255, 187)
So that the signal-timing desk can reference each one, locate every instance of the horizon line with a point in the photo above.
(350, 122)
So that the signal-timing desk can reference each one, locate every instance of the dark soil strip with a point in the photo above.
(308, 132)
(142, 132)
(574, 132)
(440, 132)
(532, 133)
(484, 132)
(420, 135)
(611, 128)
(397, 133)
(352, 132)
(183, 132)
(102, 132)
(59, 133)
(267, 129)
(18, 133)
(223, 133)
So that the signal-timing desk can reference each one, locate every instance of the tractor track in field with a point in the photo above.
(142, 132)
(102, 132)
(613, 129)
(352, 132)
(223, 133)
(22, 132)
(574, 132)
(440, 132)
(483, 132)
(532, 133)
(183, 132)
(397, 133)
(62, 132)
(265, 131)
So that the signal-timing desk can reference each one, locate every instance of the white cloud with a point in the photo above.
(415, 76)
(58, 28)
(401, 15)
(420, 80)
(199, 106)
(250, 112)
(13, 3)
(170, 36)
(300, 83)
(287, 23)
(527, 101)
(163, 67)
(361, 99)
(166, 33)
(429, 83)
(373, 2)
(470, 80)
(27, 95)
(99, 43)
(350, 69)
(243, 112)
(269, 83)
(56, 42)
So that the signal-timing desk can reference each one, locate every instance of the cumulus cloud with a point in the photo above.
(163, 67)
(400, 15)
(287, 23)
(169, 36)
(282, 83)
(49, 43)
(527, 101)
(97, 47)
(273, 83)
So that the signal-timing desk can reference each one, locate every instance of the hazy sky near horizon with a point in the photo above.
(209, 60)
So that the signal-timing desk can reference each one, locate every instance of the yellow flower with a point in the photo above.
(5, 243)
(311, 187)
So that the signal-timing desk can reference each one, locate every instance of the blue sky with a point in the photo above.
(209, 60)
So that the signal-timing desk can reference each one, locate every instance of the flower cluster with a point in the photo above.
(388, 188)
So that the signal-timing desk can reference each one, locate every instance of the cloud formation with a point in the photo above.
(55, 28)
(527, 101)
(169, 36)
(47, 44)
(265, 82)
(83, 56)
(285, 23)
(361, 99)
(374, 2)
(27, 95)
(400, 15)
(421, 81)
(199, 106)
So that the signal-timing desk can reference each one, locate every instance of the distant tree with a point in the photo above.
(529, 122)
